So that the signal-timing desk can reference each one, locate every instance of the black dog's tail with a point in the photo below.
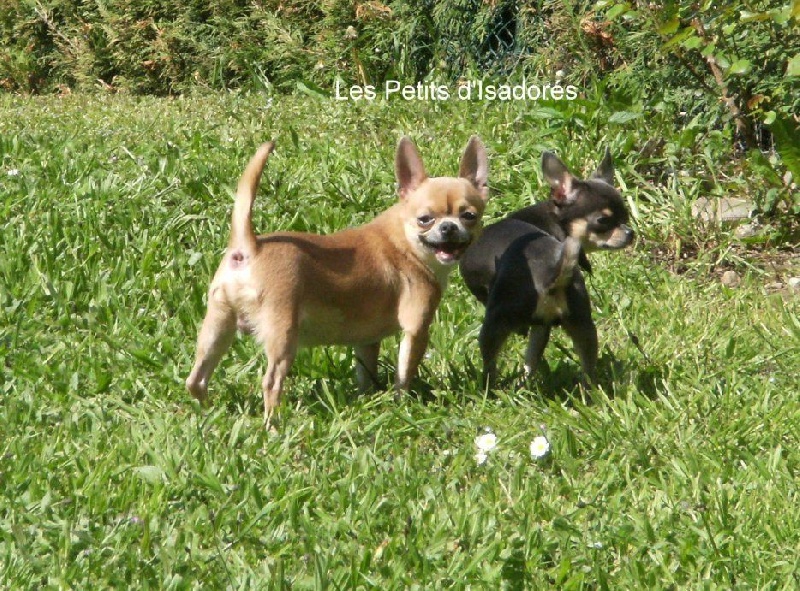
(570, 255)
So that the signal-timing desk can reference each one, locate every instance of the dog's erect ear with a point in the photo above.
(475, 166)
(559, 177)
(605, 171)
(408, 167)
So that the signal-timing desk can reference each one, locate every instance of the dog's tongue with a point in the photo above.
(445, 257)
(449, 253)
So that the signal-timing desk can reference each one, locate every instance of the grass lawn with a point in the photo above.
(680, 472)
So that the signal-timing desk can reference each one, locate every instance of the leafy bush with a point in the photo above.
(162, 47)
(718, 66)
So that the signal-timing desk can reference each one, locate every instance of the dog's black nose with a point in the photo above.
(448, 229)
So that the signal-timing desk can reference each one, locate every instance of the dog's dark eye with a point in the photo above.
(425, 220)
(469, 216)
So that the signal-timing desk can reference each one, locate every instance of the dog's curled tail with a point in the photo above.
(570, 254)
(242, 235)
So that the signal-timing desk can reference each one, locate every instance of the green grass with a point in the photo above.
(681, 472)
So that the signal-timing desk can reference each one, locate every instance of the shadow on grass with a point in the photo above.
(514, 570)
(558, 380)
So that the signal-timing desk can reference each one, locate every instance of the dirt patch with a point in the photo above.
(711, 260)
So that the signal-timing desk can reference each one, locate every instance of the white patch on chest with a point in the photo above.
(551, 306)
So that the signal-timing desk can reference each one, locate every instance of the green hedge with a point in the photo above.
(166, 47)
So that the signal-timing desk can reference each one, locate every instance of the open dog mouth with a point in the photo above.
(445, 252)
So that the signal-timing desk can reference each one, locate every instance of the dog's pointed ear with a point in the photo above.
(559, 177)
(475, 166)
(605, 170)
(408, 167)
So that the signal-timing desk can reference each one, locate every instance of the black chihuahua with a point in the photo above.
(526, 268)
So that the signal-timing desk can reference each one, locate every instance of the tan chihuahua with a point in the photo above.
(354, 287)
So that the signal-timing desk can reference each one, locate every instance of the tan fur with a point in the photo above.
(354, 287)
(615, 239)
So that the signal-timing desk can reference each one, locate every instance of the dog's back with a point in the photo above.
(543, 216)
(479, 265)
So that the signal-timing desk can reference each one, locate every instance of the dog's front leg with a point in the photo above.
(412, 349)
(417, 309)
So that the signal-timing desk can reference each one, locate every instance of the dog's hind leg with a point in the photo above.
(280, 346)
(216, 336)
(494, 332)
(537, 341)
(367, 366)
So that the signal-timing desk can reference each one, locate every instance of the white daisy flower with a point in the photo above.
(13, 172)
(540, 447)
(486, 442)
